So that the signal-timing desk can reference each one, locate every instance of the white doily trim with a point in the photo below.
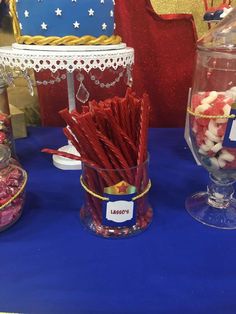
(66, 60)
(68, 48)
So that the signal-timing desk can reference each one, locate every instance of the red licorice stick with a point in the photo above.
(114, 109)
(137, 104)
(85, 109)
(103, 125)
(111, 134)
(113, 149)
(134, 116)
(119, 136)
(84, 153)
(72, 139)
(83, 132)
(119, 116)
(93, 185)
(116, 135)
(142, 150)
(78, 145)
(68, 155)
(117, 154)
(90, 137)
(128, 140)
(62, 154)
(125, 108)
(89, 128)
(115, 164)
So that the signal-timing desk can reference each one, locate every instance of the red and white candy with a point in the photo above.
(11, 180)
(210, 132)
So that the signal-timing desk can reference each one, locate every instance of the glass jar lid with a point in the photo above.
(222, 37)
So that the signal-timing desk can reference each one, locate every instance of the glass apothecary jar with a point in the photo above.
(12, 188)
(212, 112)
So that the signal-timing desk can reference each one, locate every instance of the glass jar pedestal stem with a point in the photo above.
(216, 207)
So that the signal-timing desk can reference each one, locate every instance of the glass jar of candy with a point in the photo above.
(212, 112)
(116, 200)
(12, 188)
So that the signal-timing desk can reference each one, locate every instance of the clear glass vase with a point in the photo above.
(12, 188)
(116, 201)
(212, 118)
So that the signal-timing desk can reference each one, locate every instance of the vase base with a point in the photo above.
(5, 226)
(198, 207)
(108, 232)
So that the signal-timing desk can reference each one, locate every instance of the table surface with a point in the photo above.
(50, 264)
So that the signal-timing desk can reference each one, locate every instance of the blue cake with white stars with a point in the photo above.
(64, 22)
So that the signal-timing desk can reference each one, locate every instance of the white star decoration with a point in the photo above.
(44, 26)
(104, 26)
(26, 13)
(76, 24)
(91, 12)
(58, 12)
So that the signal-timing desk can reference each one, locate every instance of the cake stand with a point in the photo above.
(53, 58)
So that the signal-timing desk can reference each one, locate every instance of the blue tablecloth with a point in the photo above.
(50, 264)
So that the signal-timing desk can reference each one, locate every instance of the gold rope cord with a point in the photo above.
(69, 40)
(15, 22)
(55, 40)
(148, 187)
(199, 115)
(2, 207)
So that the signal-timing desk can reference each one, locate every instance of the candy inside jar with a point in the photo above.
(12, 189)
(210, 117)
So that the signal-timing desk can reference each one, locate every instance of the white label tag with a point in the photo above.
(232, 134)
(119, 211)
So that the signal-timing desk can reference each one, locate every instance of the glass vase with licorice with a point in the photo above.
(116, 200)
(212, 117)
(112, 136)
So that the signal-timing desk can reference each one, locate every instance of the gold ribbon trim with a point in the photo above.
(68, 40)
(102, 198)
(199, 115)
(55, 40)
(15, 22)
(2, 207)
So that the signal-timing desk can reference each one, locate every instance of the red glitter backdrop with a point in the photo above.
(164, 58)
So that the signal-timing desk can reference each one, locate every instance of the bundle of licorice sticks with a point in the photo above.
(111, 137)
